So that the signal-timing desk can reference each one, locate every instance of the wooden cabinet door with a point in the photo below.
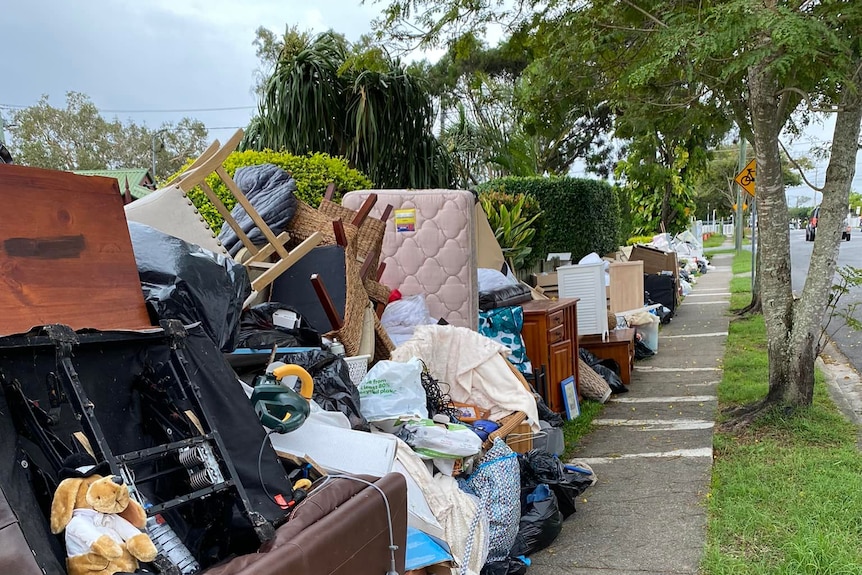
(560, 360)
(535, 339)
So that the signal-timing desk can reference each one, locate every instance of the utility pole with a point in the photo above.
(740, 224)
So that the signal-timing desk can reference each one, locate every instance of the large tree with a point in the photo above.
(508, 110)
(326, 95)
(770, 62)
(78, 137)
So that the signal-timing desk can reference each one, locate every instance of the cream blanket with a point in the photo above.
(475, 368)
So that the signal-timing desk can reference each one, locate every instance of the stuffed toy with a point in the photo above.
(102, 523)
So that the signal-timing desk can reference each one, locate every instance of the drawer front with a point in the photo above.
(556, 334)
(555, 319)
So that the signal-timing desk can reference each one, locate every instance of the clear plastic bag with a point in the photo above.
(392, 390)
(432, 440)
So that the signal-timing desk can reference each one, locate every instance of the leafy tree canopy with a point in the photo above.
(77, 137)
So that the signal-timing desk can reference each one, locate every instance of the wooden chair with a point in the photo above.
(269, 260)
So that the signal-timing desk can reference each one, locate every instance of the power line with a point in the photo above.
(162, 111)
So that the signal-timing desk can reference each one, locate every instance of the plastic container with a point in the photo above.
(649, 333)
(358, 367)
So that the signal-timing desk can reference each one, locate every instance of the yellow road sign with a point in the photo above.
(745, 178)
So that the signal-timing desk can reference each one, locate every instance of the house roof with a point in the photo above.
(135, 176)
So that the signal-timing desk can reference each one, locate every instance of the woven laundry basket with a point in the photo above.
(369, 238)
(591, 384)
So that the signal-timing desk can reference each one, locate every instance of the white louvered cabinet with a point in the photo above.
(586, 282)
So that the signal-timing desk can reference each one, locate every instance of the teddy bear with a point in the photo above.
(103, 524)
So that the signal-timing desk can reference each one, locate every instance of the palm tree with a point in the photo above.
(365, 106)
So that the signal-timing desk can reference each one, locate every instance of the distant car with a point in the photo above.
(811, 228)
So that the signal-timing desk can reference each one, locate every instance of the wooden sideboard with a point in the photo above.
(619, 346)
(551, 337)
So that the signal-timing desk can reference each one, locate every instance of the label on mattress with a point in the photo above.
(405, 220)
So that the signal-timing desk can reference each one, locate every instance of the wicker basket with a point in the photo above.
(590, 384)
(370, 236)
(378, 292)
(514, 431)
(307, 220)
(356, 300)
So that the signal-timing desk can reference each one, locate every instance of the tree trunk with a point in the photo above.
(810, 309)
(775, 288)
(792, 329)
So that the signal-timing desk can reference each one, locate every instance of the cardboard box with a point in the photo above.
(656, 261)
(544, 280)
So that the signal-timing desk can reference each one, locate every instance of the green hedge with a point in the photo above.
(312, 174)
(531, 209)
(581, 215)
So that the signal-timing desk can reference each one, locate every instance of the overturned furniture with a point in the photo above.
(65, 253)
(158, 404)
(170, 210)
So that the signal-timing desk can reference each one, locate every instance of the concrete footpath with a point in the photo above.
(651, 450)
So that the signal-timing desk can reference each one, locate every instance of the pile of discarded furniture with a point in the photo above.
(184, 400)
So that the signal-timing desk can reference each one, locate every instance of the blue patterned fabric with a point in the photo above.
(497, 483)
(504, 325)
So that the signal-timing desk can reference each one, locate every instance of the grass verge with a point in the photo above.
(786, 492)
(713, 241)
(575, 429)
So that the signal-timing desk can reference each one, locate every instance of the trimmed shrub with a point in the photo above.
(312, 173)
(580, 215)
(639, 240)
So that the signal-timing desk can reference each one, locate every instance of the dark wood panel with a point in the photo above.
(550, 334)
(65, 253)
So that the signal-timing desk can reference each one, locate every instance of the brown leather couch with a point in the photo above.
(341, 528)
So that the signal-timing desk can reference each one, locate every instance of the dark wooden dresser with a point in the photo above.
(551, 337)
(619, 346)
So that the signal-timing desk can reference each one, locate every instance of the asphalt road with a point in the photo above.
(850, 254)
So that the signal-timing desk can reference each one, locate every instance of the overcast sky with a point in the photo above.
(136, 59)
(153, 54)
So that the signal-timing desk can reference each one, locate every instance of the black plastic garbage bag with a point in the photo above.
(541, 522)
(185, 282)
(602, 367)
(642, 350)
(333, 390)
(539, 467)
(258, 332)
(545, 413)
(508, 566)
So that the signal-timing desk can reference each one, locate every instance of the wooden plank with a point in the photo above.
(267, 250)
(364, 210)
(330, 191)
(340, 237)
(65, 253)
(386, 211)
(326, 302)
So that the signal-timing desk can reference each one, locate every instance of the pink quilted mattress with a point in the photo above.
(430, 248)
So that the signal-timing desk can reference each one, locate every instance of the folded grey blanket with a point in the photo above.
(270, 190)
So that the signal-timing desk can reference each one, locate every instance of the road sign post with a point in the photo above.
(745, 180)
(745, 177)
